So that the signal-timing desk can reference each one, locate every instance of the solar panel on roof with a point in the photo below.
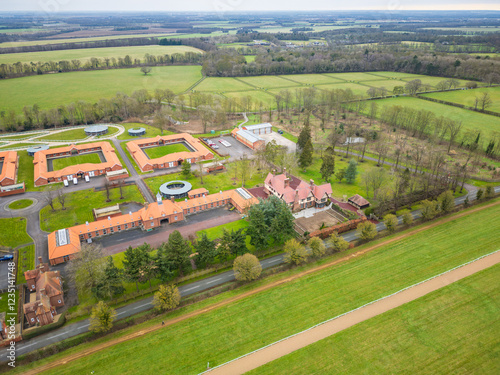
(62, 237)
(243, 193)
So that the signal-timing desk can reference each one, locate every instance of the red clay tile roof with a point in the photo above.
(51, 282)
(9, 167)
(296, 187)
(134, 147)
(359, 200)
(40, 161)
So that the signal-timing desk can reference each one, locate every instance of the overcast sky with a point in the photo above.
(242, 5)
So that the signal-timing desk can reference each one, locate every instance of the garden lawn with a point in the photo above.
(253, 322)
(220, 84)
(216, 232)
(20, 204)
(52, 90)
(213, 183)
(467, 97)
(13, 232)
(79, 205)
(61, 163)
(158, 152)
(449, 331)
(84, 54)
(470, 119)
(26, 262)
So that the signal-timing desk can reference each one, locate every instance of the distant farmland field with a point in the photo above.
(469, 119)
(52, 90)
(85, 54)
(467, 97)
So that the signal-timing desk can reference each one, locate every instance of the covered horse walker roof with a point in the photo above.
(175, 189)
(96, 130)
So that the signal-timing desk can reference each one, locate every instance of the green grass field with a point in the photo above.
(467, 29)
(67, 135)
(256, 95)
(216, 232)
(450, 331)
(236, 329)
(74, 160)
(433, 81)
(158, 152)
(470, 119)
(355, 77)
(268, 82)
(84, 54)
(13, 232)
(151, 131)
(79, 205)
(354, 87)
(250, 58)
(213, 183)
(221, 84)
(312, 79)
(20, 204)
(467, 97)
(26, 262)
(52, 90)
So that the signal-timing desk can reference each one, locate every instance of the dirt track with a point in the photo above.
(96, 348)
(280, 349)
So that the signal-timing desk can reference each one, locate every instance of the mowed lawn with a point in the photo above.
(79, 205)
(13, 232)
(453, 330)
(158, 152)
(468, 97)
(67, 135)
(52, 90)
(61, 163)
(470, 119)
(84, 54)
(256, 321)
(220, 84)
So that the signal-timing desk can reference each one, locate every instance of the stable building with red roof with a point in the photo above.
(8, 174)
(44, 177)
(64, 244)
(198, 151)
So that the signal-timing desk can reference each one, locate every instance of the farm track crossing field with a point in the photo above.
(136, 52)
(158, 152)
(61, 163)
(235, 329)
(52, 90)
(452, 330)
(470, 119)
(467, 97)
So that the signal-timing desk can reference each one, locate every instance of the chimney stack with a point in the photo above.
(311, 184)
(287, 182)
(172, 199)
(146, 205)
(40, 260)
(284, 171)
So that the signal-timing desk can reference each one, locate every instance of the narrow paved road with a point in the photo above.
(186, 290)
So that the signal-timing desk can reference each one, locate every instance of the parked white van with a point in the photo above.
(65, 182)
(75, 181)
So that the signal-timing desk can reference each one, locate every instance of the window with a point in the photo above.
(32, 319)
(171, 164)
(112, 230)
(152, 223)
(59, 301)
(90, 235)
(211, 204)
(133, 224)
(97, 233)
(104, 231)
(126, 226)
(188, 210)
(119, 228)
(175, 218)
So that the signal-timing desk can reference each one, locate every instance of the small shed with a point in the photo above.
(359, 202)
(213, 167)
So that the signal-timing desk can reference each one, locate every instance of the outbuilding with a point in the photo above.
(359, 202)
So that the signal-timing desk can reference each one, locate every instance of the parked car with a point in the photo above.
(280, 131)
(87, 178)
(214, 146)
(65, 182)
(6, 257)
(75, 181)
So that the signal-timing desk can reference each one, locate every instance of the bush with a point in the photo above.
(166, 298)
(367, 231)
(391, 222)
(295, 252)
(317, 247)
(479, 194)
(247, 267)
(407, 217)
(338, 243)
(446, 201)
(490, 192)
(428, 210)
